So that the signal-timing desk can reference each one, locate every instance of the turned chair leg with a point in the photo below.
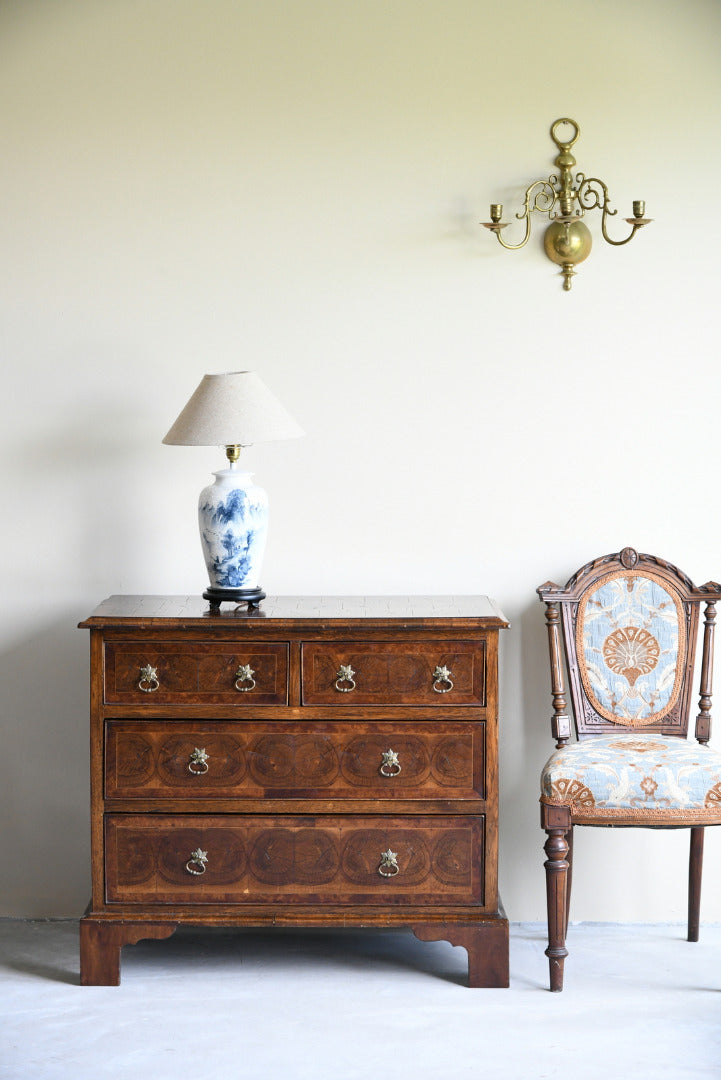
(556, 848)
(695, 868)
(569, 876)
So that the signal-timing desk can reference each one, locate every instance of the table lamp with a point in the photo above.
(234, 409)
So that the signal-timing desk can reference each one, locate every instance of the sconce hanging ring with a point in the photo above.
(565, 144)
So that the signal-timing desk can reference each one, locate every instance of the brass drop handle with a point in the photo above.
(196, 863)
(245, 674)
(390, 765)
(149, 681)
(389, 864)
(198, 763)
(345, 674)
(442, 683)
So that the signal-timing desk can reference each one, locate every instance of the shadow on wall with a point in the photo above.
(526, 744)
(44, 796)
(44, 788)
(109, 466)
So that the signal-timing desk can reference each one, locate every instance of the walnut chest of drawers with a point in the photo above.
(315, 762)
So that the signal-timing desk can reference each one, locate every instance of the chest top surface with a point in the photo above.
(459, 612)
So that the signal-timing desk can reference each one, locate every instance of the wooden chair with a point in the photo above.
(626, 626)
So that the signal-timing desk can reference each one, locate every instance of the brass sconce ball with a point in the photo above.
(567, 243)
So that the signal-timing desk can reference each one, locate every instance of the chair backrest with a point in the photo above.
(626, 626)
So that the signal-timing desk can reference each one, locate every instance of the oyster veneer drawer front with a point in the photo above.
(216, 759)
(432, 674)
(169, 672)
(369, 859)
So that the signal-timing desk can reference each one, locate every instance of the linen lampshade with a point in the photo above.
(235, 408)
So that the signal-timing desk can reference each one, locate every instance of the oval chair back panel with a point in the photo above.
(630, 636)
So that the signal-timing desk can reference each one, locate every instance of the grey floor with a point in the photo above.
(639, 1002)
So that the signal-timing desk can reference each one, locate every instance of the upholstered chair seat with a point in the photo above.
(657, 779)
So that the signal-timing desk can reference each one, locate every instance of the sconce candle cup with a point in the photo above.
(566, 198)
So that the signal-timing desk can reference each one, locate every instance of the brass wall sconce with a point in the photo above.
(567, 240)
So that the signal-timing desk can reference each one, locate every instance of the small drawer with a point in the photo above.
(194, 671)
(216, 759)
(431, 674)
(256, 859)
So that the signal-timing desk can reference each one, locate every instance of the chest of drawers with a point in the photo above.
(316, 762)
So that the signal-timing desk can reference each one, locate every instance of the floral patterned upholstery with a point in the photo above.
(659, 778)
(631, 646)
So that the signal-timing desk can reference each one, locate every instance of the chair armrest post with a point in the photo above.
(560, 721)
(703, 720)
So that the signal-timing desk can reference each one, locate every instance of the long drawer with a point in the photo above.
(250, 859)
(215, 672)
(179, 759)
(431, 674)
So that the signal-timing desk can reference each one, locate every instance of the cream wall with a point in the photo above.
(296, 187)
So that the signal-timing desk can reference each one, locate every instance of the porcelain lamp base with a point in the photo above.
(233, 518)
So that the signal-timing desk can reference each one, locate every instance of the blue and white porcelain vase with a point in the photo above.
(233, 519)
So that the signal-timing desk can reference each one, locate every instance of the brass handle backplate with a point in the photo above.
(442, 683)
(390, 765)
(198, 763)
(149, 681)
(196, 863)
(389, 864)
(245, 674)
(345, 674)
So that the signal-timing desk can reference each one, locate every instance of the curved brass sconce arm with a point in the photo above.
(566, 198)
(590, 198)
(542, 200)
